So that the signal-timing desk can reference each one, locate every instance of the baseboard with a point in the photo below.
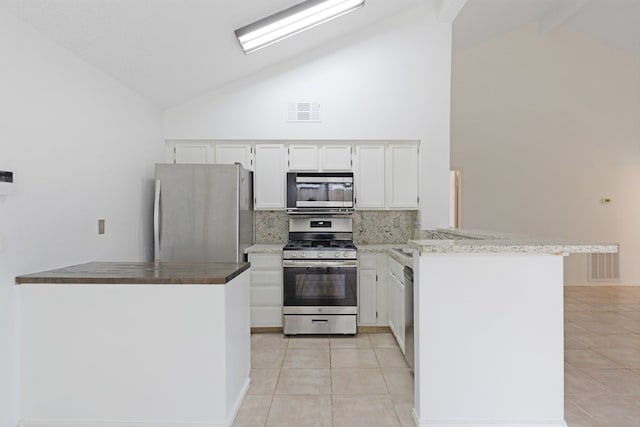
(111, 423)
(119, 423)
(594, 284)
(465, 423)
(373, 329)
(266, 329)
(238, 403)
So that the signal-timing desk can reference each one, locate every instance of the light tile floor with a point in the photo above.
(602, 356)
(364, 380)
(327, 381)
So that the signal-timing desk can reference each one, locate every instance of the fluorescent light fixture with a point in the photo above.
(294, 20)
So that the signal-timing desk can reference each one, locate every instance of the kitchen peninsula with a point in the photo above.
(135, 344)
(489, 329)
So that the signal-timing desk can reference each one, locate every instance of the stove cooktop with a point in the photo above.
(341, 245)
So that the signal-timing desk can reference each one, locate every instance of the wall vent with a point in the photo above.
(306, 112)
(604, 267)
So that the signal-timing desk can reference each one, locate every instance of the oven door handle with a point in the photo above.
(334, 264)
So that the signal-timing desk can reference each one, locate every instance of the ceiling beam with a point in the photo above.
(559, 13)
(447, 10)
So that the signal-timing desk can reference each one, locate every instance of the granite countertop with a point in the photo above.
(139, 273)
(473, 241)
(388, 248)
(265, 248)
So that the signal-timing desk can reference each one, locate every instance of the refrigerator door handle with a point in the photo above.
(156, 223)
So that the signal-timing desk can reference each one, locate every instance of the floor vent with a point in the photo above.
(604, 267)
(304, 112)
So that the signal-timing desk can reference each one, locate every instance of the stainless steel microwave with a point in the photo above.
(319, 192)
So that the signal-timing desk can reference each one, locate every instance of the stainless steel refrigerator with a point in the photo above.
(202, 213)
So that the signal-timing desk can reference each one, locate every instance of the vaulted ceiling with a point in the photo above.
(173, 50)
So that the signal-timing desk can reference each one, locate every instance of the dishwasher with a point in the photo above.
(408, 317)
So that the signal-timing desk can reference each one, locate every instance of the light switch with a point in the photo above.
(101, 226)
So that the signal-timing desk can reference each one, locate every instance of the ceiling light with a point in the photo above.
(292, 21)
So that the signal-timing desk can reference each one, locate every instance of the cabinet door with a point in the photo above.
(400, 325)
(303, 157)
(230, 153)
(266, 290)
(192, 152)
(392, 299)
(402, 176)
(369, 176)
(367, 290)
(335, 157)
(269, 176)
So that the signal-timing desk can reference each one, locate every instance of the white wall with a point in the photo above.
(390, 81)
(81, 147)
(543, 127)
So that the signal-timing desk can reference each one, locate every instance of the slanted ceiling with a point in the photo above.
(173, 50)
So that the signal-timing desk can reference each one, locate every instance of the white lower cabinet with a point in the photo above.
(372, 291)
(266, 290)
(395, 298)
(367, 289)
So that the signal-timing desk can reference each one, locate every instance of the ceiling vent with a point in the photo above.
(305, 112)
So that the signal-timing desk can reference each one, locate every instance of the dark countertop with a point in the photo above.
(140, 273)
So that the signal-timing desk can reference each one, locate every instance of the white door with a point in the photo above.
(367, 289)
(269, 176)
(230, 153)
(303, 157)
(192, 152)
(335, 157)
(402, 172)
(369, 176)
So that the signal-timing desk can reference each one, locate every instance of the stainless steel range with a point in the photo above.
(320, 277)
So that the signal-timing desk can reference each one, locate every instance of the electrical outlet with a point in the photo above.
(101, 226)
(396, 221)
(271, 222)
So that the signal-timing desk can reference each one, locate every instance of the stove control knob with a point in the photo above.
(303, 254)
(294, 255)
(346, 254)
(337, 254)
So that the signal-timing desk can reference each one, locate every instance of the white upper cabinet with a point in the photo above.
(269, 176)
(303, 157)
(369, 176)
(385, 173)
(320, 157)
(191, 152)
(402, 176)
(335, 157)
(230, 153)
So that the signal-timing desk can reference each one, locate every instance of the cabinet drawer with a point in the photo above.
(266, 278)
(265, 262)
(266, 296)
(266, 316)
(367, 261)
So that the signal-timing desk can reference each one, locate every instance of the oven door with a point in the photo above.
(330, 284)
